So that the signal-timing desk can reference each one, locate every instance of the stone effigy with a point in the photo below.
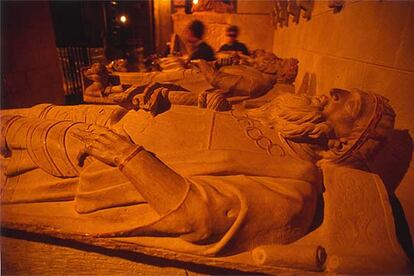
(237, 77)
(233, 189)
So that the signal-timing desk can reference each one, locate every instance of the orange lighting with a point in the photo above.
(195, 2)
(123, 18)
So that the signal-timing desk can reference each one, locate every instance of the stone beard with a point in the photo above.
(296, 117)
(361, 128)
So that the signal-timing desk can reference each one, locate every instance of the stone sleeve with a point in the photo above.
(212, 210)
(197, 212)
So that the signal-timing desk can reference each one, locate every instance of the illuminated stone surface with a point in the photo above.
(238, 190)
(368, 44)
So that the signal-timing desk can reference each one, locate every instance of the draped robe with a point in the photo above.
(267, 195)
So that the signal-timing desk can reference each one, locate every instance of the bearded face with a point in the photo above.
(342, 110)
(343, 125)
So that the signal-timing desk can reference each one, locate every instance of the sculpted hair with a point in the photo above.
(296, 117)
(301, 119)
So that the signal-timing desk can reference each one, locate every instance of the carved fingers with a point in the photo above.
(153, 99)
(103, 144)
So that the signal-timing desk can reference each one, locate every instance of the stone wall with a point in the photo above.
(30, 68)
(368, 45)
(162, 24)
(252, 17)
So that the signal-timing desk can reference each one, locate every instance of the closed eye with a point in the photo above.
(338, 94)
(335, 97)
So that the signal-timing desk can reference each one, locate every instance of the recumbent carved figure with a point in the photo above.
(224, 182)
(234, 76)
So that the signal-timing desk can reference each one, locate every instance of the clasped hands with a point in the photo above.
(153, 98)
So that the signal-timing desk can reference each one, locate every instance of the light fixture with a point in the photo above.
(123, 18)
(195, 2)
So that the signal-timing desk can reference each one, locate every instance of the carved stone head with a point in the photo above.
(97, 73)
(344, 127)
(361, 122)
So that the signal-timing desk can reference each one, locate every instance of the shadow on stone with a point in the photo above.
(392, 162)
(131, 256)
(391, 165)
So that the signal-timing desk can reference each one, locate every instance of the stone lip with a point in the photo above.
(240, 262)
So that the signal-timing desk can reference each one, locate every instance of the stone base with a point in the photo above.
(35, 254)
(357, 230)
(29, 254)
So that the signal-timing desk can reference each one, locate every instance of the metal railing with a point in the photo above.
(71, 60)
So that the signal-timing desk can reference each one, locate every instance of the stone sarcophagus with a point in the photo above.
(277, 189)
